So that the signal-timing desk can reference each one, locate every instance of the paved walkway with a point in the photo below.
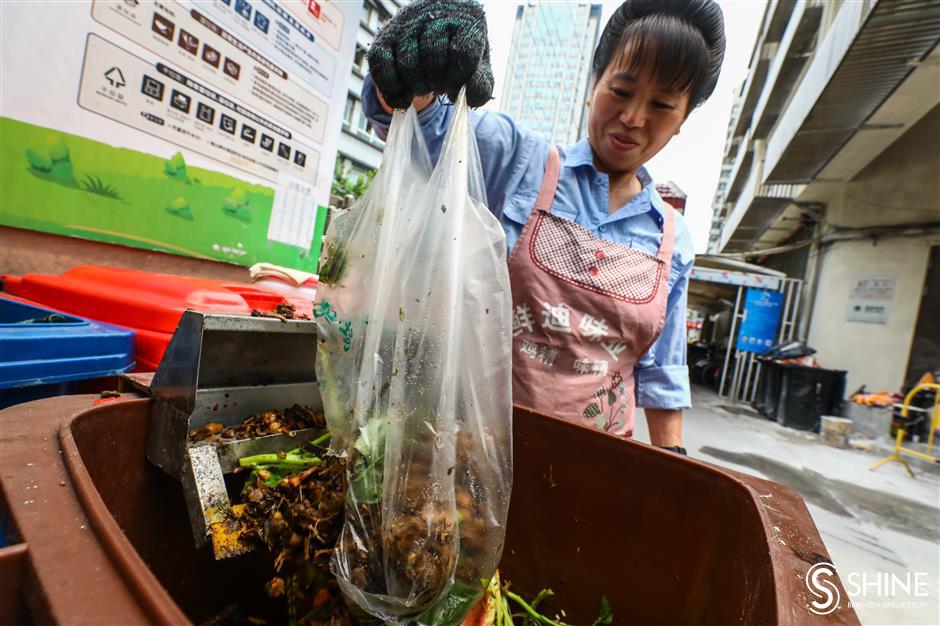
(881, 528)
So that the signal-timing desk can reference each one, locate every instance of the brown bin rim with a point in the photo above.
(157, 603)
(786, 560)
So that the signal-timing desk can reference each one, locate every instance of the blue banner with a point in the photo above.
(758, 331)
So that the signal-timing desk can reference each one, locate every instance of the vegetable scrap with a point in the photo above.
(293, 504)
(283, 312)
(334, 267)
(496, 609)
(288, 311)
(261, 424)
(294, 507)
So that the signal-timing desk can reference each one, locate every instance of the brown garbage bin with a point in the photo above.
(97, 535)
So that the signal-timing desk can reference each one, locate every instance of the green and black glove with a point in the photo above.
(434, 46)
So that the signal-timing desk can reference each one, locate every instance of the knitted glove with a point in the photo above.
(434, 46)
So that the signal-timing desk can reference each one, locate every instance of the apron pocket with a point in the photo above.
(567, 251)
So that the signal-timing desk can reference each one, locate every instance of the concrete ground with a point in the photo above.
(881, 528)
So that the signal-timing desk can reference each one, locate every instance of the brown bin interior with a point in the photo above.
(666, 540)
(12, 568)
(148, 506)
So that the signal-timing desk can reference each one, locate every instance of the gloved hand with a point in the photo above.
(433, 46)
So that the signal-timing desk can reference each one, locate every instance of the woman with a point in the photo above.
(599, 264)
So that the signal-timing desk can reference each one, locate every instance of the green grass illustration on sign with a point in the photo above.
(69, 185)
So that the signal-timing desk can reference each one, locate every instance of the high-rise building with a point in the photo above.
(360, 149)
(548, 77)
(719, 211)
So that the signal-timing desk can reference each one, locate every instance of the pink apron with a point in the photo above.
(584, 311)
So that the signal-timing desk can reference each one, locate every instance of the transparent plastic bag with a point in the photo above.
(414, 366)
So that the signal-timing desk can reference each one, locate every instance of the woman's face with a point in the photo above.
(632, 118)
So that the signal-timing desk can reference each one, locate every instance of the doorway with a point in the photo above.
(925, 347)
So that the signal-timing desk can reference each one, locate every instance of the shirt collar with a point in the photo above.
(658, 204)
(581, 155)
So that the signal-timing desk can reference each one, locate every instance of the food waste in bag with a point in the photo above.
(414, 358)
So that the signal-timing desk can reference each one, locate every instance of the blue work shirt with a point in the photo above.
(513, 161)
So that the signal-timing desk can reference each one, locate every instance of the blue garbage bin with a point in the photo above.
(44, 353)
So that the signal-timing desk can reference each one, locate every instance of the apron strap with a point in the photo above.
(543, 202)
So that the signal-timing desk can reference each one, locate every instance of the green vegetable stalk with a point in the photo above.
(528, 608)
(500, 595)
(272, 468)
(368, 471)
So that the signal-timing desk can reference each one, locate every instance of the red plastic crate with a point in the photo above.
(147, 302)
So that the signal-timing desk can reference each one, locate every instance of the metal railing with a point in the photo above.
(741, 370)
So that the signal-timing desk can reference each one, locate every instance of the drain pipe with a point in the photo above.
(814, 212)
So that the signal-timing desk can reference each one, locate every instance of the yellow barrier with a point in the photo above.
(899, 449)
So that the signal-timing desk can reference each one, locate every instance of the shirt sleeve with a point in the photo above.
(509, 154)
(662, 376)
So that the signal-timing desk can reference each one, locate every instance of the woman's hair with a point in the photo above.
(682, 42)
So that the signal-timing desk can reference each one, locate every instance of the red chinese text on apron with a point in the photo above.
(584, 311)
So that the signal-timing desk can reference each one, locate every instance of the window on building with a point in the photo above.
(374, 16)
(363, 123)
(355, 172)
(349, 111)
(359, 60)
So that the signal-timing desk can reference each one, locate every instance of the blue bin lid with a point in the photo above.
(39, 347)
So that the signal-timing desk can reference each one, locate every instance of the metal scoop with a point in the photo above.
(224, 368)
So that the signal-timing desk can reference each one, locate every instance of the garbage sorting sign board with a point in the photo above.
(871, 299)
(202, 128)
(758, 329)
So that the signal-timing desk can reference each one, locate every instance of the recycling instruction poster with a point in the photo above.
(203, 128)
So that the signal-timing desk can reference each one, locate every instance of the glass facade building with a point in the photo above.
(548, 77)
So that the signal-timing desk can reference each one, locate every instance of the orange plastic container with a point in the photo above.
(149, 303)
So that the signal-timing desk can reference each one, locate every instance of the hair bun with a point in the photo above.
(704, 15)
